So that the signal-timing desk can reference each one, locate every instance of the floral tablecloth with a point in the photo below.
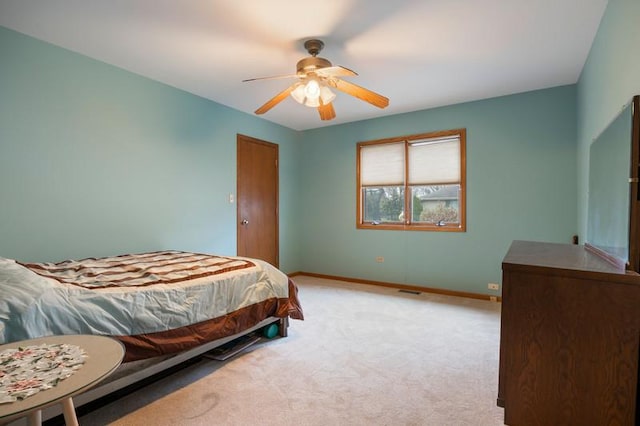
(28, 370)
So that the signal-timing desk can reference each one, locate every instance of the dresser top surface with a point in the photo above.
(561, 256)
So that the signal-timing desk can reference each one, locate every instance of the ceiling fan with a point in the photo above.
(316, 77)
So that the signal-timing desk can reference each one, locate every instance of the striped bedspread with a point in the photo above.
(134, 270)
(155, 303)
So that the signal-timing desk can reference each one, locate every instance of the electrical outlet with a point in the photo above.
(493, 286)
(379, 259)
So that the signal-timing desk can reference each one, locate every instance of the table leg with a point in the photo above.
(34, 418)
(69, 412)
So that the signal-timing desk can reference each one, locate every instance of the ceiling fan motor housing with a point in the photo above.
(311, 64)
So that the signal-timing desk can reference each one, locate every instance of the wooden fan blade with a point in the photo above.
(337, 71)
(359, 92)
(326, 111)
(275, 77)
(275, 100)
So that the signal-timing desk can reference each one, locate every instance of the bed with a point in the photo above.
(164, 306)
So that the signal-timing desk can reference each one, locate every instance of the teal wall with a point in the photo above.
(610, 78)
(521, 184)
(95, 160)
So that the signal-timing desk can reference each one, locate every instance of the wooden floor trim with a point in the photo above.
(401, 286)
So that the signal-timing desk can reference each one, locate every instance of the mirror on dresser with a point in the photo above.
(612, 217)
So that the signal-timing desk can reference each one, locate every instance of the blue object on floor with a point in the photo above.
(270, 331)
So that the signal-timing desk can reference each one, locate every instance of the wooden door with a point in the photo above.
(257, 193)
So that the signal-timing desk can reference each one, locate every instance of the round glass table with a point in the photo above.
(104, 355)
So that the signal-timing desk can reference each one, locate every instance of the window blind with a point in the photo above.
(382, 165)
(434, 161)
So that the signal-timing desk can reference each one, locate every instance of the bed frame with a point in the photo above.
(136, 371)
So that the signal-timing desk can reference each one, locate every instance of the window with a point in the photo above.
(423, 175)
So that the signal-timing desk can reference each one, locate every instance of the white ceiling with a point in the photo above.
(418, 53)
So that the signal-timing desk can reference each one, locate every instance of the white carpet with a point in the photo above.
(364, 355)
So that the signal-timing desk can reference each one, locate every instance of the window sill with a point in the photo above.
(403, 227)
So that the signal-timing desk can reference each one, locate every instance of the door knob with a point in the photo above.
(244, 222)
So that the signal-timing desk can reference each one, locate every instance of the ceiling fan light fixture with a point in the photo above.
(310, 93)
(298, 93)
(326, 95)
(312, 89)
(312, 102)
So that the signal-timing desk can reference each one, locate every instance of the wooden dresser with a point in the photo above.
(570, 332)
